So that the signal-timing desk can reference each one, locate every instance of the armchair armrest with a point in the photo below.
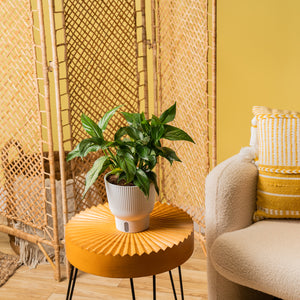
(230, 195)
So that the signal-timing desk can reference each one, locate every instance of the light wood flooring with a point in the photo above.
(27, 284)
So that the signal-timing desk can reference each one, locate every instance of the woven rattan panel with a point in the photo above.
(183, 71)
(102, 59)
(21, 179)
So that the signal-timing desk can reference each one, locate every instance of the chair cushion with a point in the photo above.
(278, 189)
(264, 256)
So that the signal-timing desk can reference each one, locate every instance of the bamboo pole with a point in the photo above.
(24, 235)
(145, 69)
(154, 55)
(138, 77)
(208, 132)
(214, 83)
(58, 111)
(62, 157)
(57, 274)
(39, 115)
(47, 256)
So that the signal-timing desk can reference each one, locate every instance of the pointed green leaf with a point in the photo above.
(168, 115)
(74, 153)
(133, 119)
(169, 154)
(91, 127)
(155, 121)
(89, 145)
(107, 116)
(142, 181)
(175, 134)
(100, 165)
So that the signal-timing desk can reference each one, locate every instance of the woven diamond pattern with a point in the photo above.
(103, 73)
(183, 70)
(19, 118)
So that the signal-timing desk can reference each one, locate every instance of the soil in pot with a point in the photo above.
(114, 180)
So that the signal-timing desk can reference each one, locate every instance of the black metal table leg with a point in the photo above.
(173, 286)
(154, 287)
(181, 285)
(72, 282)
(132, 289)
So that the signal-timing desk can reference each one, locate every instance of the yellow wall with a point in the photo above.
(258, 64)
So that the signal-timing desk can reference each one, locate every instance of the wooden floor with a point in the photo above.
(27, 284)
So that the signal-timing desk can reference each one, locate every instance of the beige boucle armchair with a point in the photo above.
(246, 260)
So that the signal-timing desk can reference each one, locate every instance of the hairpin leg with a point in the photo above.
(72, 282)
(181, 285)
(173, 286)
(132, 289)
(154, 287)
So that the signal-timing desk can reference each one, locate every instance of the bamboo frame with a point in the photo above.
(214, 83)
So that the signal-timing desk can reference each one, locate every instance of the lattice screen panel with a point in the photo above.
(105, 54)
(20, 131)
(27, 172)
(183, 70)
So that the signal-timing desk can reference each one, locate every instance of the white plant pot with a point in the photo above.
(130, 206)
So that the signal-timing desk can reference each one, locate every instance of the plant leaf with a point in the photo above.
(157, 132)
(152, 161)
(142, 181)
(107, 116)
(74, 153)
(143, 151)
(169, 154)
(116, 171)
(89, 145)
(91, 127)
(134, 133)
(122, 176)
(133, 119)
(152, 176)
(173, 133)
(100, 165)
(126, 163)
(155, 121)
(168, 115)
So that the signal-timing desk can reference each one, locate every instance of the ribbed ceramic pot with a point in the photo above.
(130, 206)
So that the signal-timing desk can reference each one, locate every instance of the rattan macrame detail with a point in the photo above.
(184, 66)
(20, 133)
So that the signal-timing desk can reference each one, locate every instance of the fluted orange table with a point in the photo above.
(95, 246)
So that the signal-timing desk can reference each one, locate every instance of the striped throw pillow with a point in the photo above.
(278, 138)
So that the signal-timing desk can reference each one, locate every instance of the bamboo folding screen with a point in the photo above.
(62, 58)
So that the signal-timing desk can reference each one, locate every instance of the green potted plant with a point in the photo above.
(130, 158)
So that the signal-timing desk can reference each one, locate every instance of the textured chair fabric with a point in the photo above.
(263, 256)
(240, 266)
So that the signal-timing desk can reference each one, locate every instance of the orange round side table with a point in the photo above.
(95, 246)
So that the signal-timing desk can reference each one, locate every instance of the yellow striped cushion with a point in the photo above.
(278, 190)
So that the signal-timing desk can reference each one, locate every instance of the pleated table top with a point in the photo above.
(95, 246)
